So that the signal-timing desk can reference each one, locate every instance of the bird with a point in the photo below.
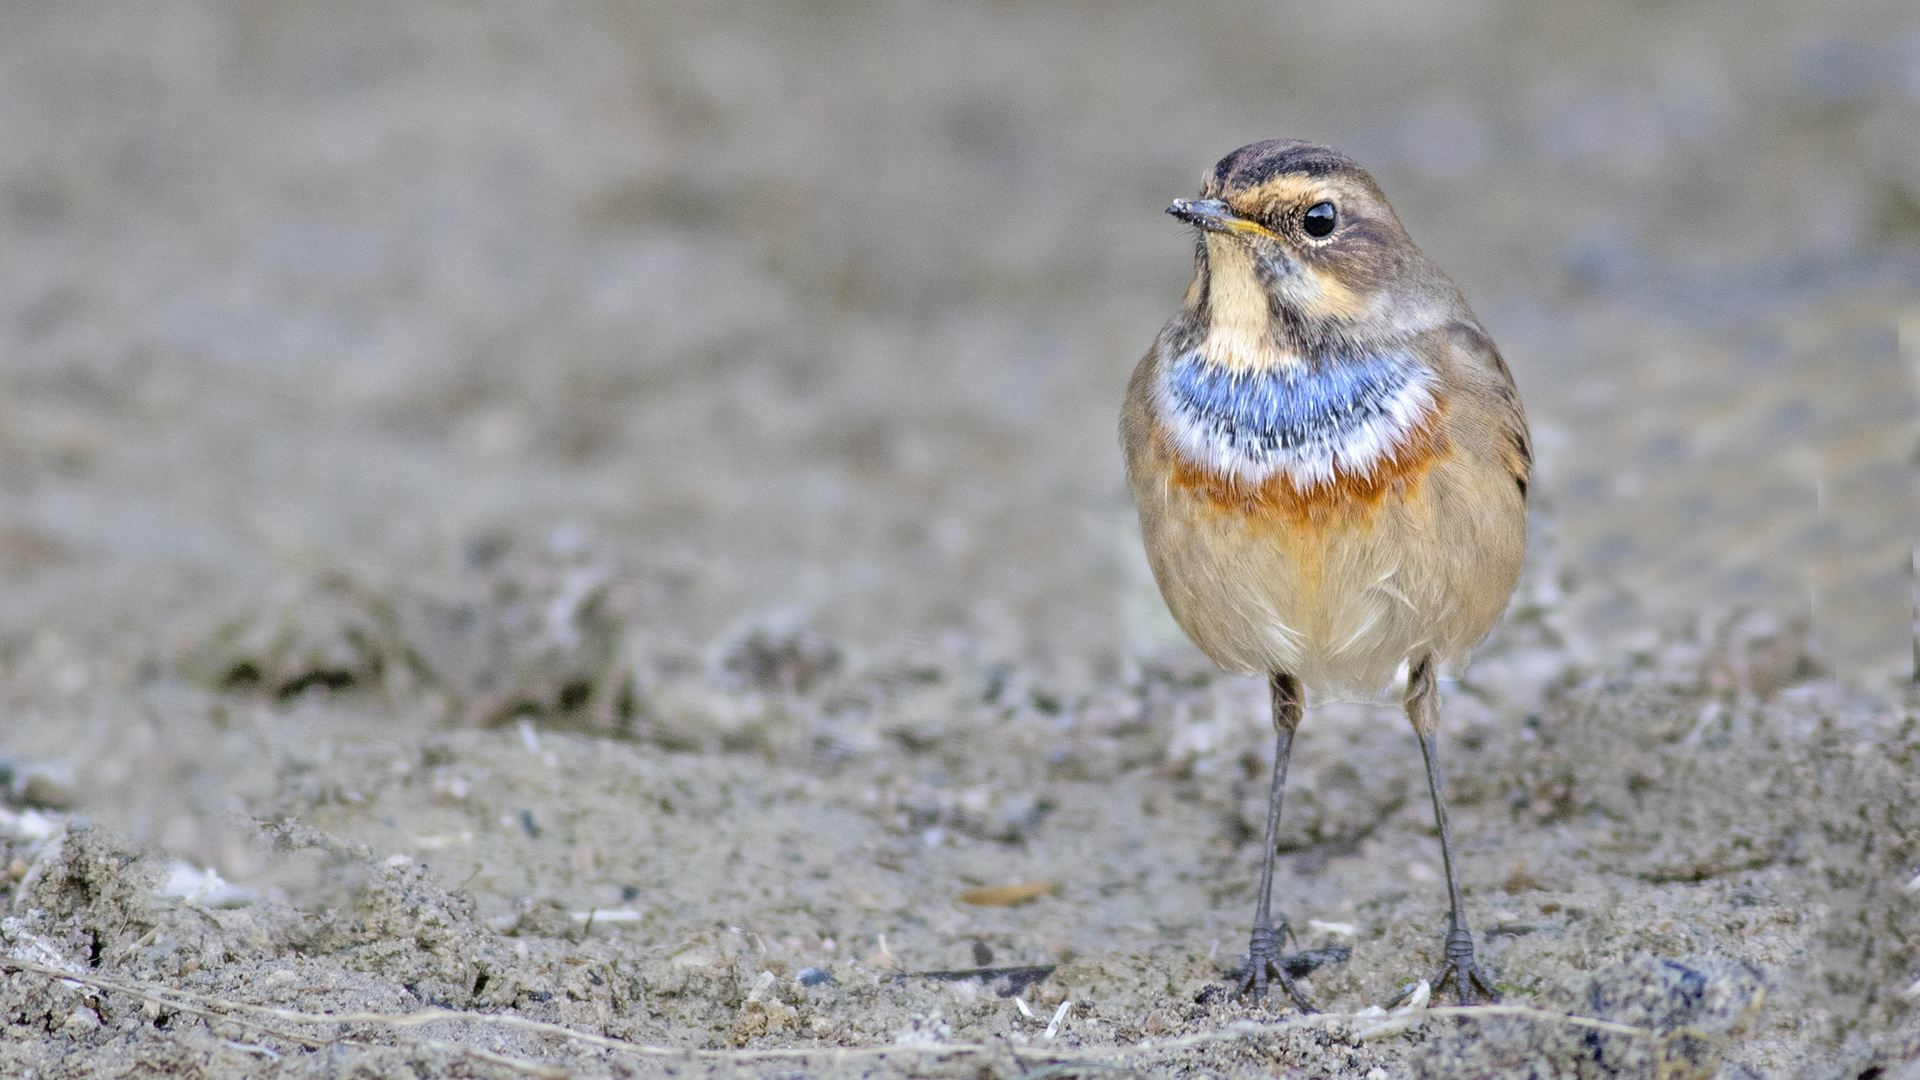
(1330, 461)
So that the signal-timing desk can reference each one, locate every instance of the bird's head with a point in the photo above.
(1300, 256)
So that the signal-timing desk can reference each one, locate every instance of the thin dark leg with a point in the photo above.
(1458, 969)
(1263, 951)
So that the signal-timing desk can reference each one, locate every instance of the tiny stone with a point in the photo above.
(82, 1019)
(694, 958)
(1520, 881)
(46, 793)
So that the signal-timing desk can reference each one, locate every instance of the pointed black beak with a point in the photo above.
(1212, 215)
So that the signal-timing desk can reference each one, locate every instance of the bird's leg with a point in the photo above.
(1458, 969)
(1263, 951)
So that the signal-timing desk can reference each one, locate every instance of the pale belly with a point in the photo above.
(1341, 601)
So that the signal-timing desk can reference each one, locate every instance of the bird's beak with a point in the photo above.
(1214, 216)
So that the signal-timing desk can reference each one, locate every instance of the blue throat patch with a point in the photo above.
(1279, 416)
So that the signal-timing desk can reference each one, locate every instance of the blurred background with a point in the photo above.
(822, 312)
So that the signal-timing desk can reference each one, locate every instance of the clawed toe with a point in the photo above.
(1460, 971)
(1264, 966)
(1254, 981)
(1468, 980)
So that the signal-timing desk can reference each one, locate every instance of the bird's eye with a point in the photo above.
(1319, 219)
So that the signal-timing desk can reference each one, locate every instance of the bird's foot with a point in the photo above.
(1459, 970)
(1263, 965)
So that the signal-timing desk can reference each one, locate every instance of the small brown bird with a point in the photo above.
(1330, 462)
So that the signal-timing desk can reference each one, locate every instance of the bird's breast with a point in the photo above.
(1299, 441)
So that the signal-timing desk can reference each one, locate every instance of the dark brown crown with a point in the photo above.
(1256, 163)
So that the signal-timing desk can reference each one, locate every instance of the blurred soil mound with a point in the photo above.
(502, 637)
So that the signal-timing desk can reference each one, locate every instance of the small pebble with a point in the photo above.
(695, 958)
(43, 792)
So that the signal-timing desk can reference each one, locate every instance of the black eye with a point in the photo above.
(1319, 219)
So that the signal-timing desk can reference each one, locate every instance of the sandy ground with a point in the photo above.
(607, 516)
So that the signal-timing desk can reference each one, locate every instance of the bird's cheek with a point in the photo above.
(1321, 295)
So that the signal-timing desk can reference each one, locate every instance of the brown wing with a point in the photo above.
(1478, 363)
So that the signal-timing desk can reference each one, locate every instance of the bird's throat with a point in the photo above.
(1239, 329)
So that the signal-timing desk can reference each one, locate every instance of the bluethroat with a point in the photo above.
(1330, 462)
